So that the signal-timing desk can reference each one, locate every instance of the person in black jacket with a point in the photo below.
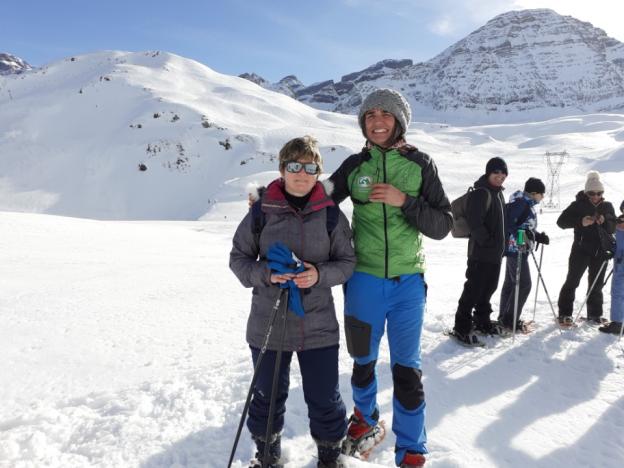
(593, 220)
(485, 213)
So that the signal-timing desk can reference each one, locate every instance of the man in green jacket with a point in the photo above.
(397, 197)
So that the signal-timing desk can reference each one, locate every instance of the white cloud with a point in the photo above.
(443, 26)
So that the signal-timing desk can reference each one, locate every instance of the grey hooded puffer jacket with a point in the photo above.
(305, 233)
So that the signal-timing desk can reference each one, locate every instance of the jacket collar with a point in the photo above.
(274, 200)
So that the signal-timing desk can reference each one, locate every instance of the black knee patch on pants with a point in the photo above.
(358, 335)
(408, 388)
(363, 375)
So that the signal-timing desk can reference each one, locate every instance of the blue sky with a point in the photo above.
(315, 40)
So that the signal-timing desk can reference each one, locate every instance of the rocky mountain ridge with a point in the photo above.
(518, 61)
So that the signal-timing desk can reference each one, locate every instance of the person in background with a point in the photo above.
(485, 213)
(617, 282)
(593, 221)
(294, 211)
(521, 215)
(397, 198)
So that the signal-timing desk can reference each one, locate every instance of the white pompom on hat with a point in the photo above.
(593, 184)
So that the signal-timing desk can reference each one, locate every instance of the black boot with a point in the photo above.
(328, 454)
(275, 452)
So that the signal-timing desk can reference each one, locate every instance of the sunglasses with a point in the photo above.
(309, 168)
(594, 194)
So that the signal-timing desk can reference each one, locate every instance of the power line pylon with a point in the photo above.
(554, 161)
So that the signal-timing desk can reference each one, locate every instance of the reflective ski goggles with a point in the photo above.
(309, 168)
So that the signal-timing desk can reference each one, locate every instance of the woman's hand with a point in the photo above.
(281, 278)
(308, 277)
(587, 221)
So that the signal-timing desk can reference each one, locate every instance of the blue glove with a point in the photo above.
(282, 260)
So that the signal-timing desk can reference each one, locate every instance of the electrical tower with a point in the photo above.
(554, 161)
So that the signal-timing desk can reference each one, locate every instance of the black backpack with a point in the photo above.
(460, 227)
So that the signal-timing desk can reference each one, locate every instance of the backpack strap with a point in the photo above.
(258, 218)
(333, 214)
(525, 214)
(488, 203)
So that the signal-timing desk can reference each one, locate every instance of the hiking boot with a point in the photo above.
(275, 452)
(469, 339)
(612, 327)
(522, 326)
(362, 438)
(492, 329)
(565, 321)
(329, 453)
(413, 460)
(596, 320)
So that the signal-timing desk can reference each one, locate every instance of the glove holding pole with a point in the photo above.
(285, 267)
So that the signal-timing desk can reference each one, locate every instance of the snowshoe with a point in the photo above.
(362, 438)
(470, 339)
(566, 322)
(594, 320)
(492, 329)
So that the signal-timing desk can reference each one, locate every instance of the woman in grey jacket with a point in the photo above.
(297, 211)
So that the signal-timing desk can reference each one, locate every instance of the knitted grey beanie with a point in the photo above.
(390, 101)
(593, 184)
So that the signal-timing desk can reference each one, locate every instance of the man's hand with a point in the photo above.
(587, 221)
(388, 194)
(308, 277)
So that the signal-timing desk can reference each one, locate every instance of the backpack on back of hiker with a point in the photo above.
(459, 207)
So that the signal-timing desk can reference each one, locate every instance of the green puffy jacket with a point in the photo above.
(388, 239)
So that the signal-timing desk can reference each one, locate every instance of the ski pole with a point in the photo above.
(276, 371)
(537, 285)
(607, 277)
(280, 296)
(591, 288)
(541, 278)
(520, 243)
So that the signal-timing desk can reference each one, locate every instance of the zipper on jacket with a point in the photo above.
(385, 218)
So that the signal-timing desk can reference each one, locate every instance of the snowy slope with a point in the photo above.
(75, 134)
(123, 342)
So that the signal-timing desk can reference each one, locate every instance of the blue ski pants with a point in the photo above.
(371, 304)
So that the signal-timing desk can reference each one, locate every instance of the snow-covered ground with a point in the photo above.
(122, 342)
(123, 345)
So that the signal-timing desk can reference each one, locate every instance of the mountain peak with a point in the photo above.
(10, 64)
(524, 60)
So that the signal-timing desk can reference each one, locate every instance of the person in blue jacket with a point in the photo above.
(617, 283)
(521, 215)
